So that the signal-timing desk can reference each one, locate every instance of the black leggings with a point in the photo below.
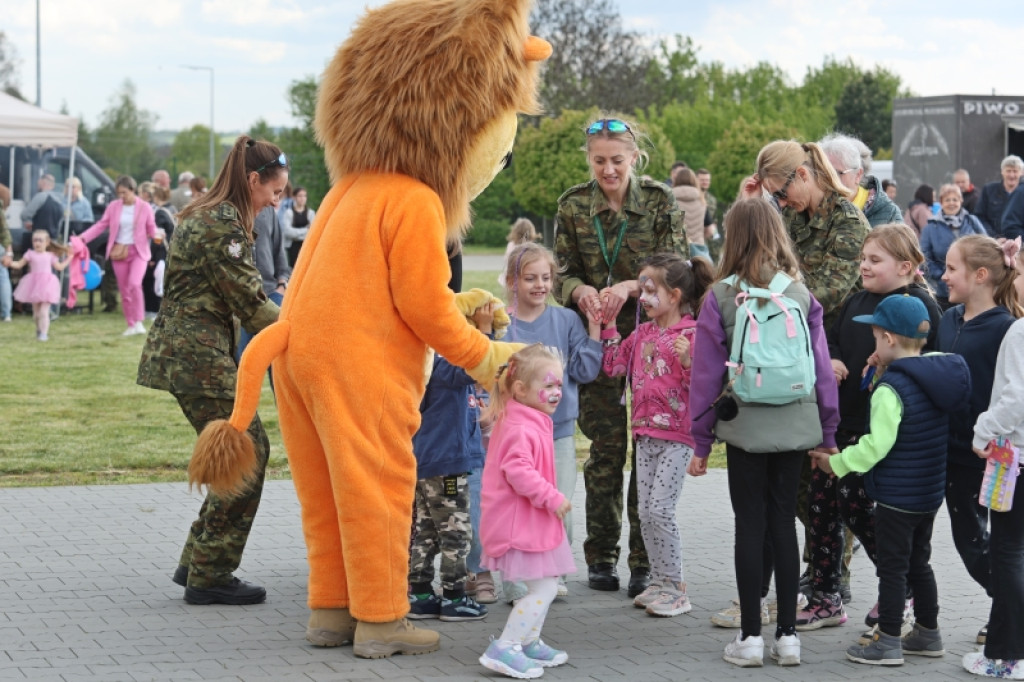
(763, 490)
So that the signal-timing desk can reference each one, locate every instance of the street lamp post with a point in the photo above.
(210, 69)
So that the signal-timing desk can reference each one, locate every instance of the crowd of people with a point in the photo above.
(838, 347)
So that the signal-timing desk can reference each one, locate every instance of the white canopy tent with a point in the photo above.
(26, 125)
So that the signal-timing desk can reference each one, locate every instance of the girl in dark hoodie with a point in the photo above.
(980, 285)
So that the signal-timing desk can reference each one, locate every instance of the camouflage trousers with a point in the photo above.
(108, 286)
(440, 524)
(603, 420)
(217, 538)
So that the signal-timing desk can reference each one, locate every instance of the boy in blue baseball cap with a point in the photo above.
(903, 459)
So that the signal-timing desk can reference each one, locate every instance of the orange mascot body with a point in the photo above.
(416, 113)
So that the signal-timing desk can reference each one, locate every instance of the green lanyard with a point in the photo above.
(604, 246)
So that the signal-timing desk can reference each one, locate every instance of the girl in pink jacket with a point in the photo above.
(521, 509)
(656, 358)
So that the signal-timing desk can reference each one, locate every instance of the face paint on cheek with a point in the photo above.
(650, 300)
(553, 396)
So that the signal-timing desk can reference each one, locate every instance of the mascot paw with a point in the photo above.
(468, 301)
(224, 460)
(497, 355)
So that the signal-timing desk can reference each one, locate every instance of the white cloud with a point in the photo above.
(258, 51)
(253, 12)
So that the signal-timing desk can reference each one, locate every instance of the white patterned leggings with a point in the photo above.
(527, 616)
(660, 471)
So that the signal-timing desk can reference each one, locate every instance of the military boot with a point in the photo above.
(330, 627)
(380, 640)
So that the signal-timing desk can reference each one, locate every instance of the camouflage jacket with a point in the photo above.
(655, 224)
(5, 233)
(210, 277)
(828, 245)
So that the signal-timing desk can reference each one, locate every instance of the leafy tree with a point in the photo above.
(865, 107)
(121, 142)
(304, 154)
(261, 130)
(494, 210)
(191, 150)
(9, 64)
(735, 153)
(674, 75)
(595, 62)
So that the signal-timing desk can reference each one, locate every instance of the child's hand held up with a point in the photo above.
(681, 346)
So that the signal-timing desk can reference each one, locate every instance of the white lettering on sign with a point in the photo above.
(982, 108)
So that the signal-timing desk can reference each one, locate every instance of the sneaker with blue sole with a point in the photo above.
(463, 608)
(546, 656)
(509, 659)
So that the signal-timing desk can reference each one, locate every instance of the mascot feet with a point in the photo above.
(380, 640)
(237, 592)
(330, 627)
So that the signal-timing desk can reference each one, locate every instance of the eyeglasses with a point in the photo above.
(781, 194)
(612, 125)
(281, 161)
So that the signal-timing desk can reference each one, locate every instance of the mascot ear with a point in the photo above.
(536, 49)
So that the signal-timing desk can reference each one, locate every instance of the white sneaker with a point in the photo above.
(140, 328)
(730, 617)
(130, 331)
(786, 650)
(563, 589)
(746, 653)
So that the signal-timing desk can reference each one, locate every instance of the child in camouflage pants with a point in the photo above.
(447, 447)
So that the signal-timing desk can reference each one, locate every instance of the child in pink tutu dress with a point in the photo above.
(521, 509)
(40, 286)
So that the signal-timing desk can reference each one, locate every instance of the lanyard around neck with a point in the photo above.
(604, 246)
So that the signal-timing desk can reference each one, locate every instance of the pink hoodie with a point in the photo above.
(518, 497)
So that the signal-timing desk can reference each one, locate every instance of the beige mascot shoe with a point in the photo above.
(330, 627)
(380, 640)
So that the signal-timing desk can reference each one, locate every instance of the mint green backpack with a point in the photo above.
(771, 360)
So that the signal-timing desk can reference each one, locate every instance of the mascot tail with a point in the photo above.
(224, 458)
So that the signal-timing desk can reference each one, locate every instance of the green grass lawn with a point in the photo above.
(72, 413)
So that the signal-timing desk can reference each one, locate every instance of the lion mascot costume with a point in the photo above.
(417, 113)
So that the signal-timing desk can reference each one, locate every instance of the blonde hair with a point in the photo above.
(522, 256)
(950, 188)
(522, 230)
(900, 242)
(980, 251)
(780, 159)
(524, 366)
(757, 245)
(632, 138)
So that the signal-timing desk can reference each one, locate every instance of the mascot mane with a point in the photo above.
(451, 80)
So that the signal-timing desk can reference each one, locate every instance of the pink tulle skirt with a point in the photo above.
(517, 565)
(38, 286)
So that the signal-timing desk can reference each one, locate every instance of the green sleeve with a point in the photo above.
(886, 413)
(570, 264)
(833, 271)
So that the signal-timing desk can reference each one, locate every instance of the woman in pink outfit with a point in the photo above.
(40, 286)
(521, 509)
(130, 225)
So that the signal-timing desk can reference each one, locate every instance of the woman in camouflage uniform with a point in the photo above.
(605, 229)
(210, 279)
(827, 232)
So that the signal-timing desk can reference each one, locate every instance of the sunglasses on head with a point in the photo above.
(612, 125)
(281, 161)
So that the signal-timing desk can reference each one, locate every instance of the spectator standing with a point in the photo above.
(269, 257)
(890, 188)
(605, 228)
(161, 178)
(994, 195)
(1013, 215)
(296, 222)
(182, 194)
(6, 257)
(81, 209)
(198, 186)
(704, 183)
(44, 211)
(920, 210)
(523, 231)
(939, 234)
(851, 160)
(962, 179)
(696, 216)
(152, 282)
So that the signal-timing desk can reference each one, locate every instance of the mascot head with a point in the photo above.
(430, 89)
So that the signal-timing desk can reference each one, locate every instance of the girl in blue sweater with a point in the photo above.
(981, 288)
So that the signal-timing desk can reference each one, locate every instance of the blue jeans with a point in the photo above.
(245, 337)
(473, 558)
(5, 293)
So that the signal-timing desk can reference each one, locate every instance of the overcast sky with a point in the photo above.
(257, 47)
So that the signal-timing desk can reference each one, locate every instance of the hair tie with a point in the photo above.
(689, 263)
(250, 142)
(1010, 250)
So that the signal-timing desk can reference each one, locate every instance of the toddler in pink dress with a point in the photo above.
(40, 286)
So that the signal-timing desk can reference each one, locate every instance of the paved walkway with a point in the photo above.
(85, 594)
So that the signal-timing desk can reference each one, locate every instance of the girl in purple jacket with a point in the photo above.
(657, 358)
(521, 509)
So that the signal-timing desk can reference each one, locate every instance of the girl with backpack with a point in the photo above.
(656, 358)
(766, 438)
